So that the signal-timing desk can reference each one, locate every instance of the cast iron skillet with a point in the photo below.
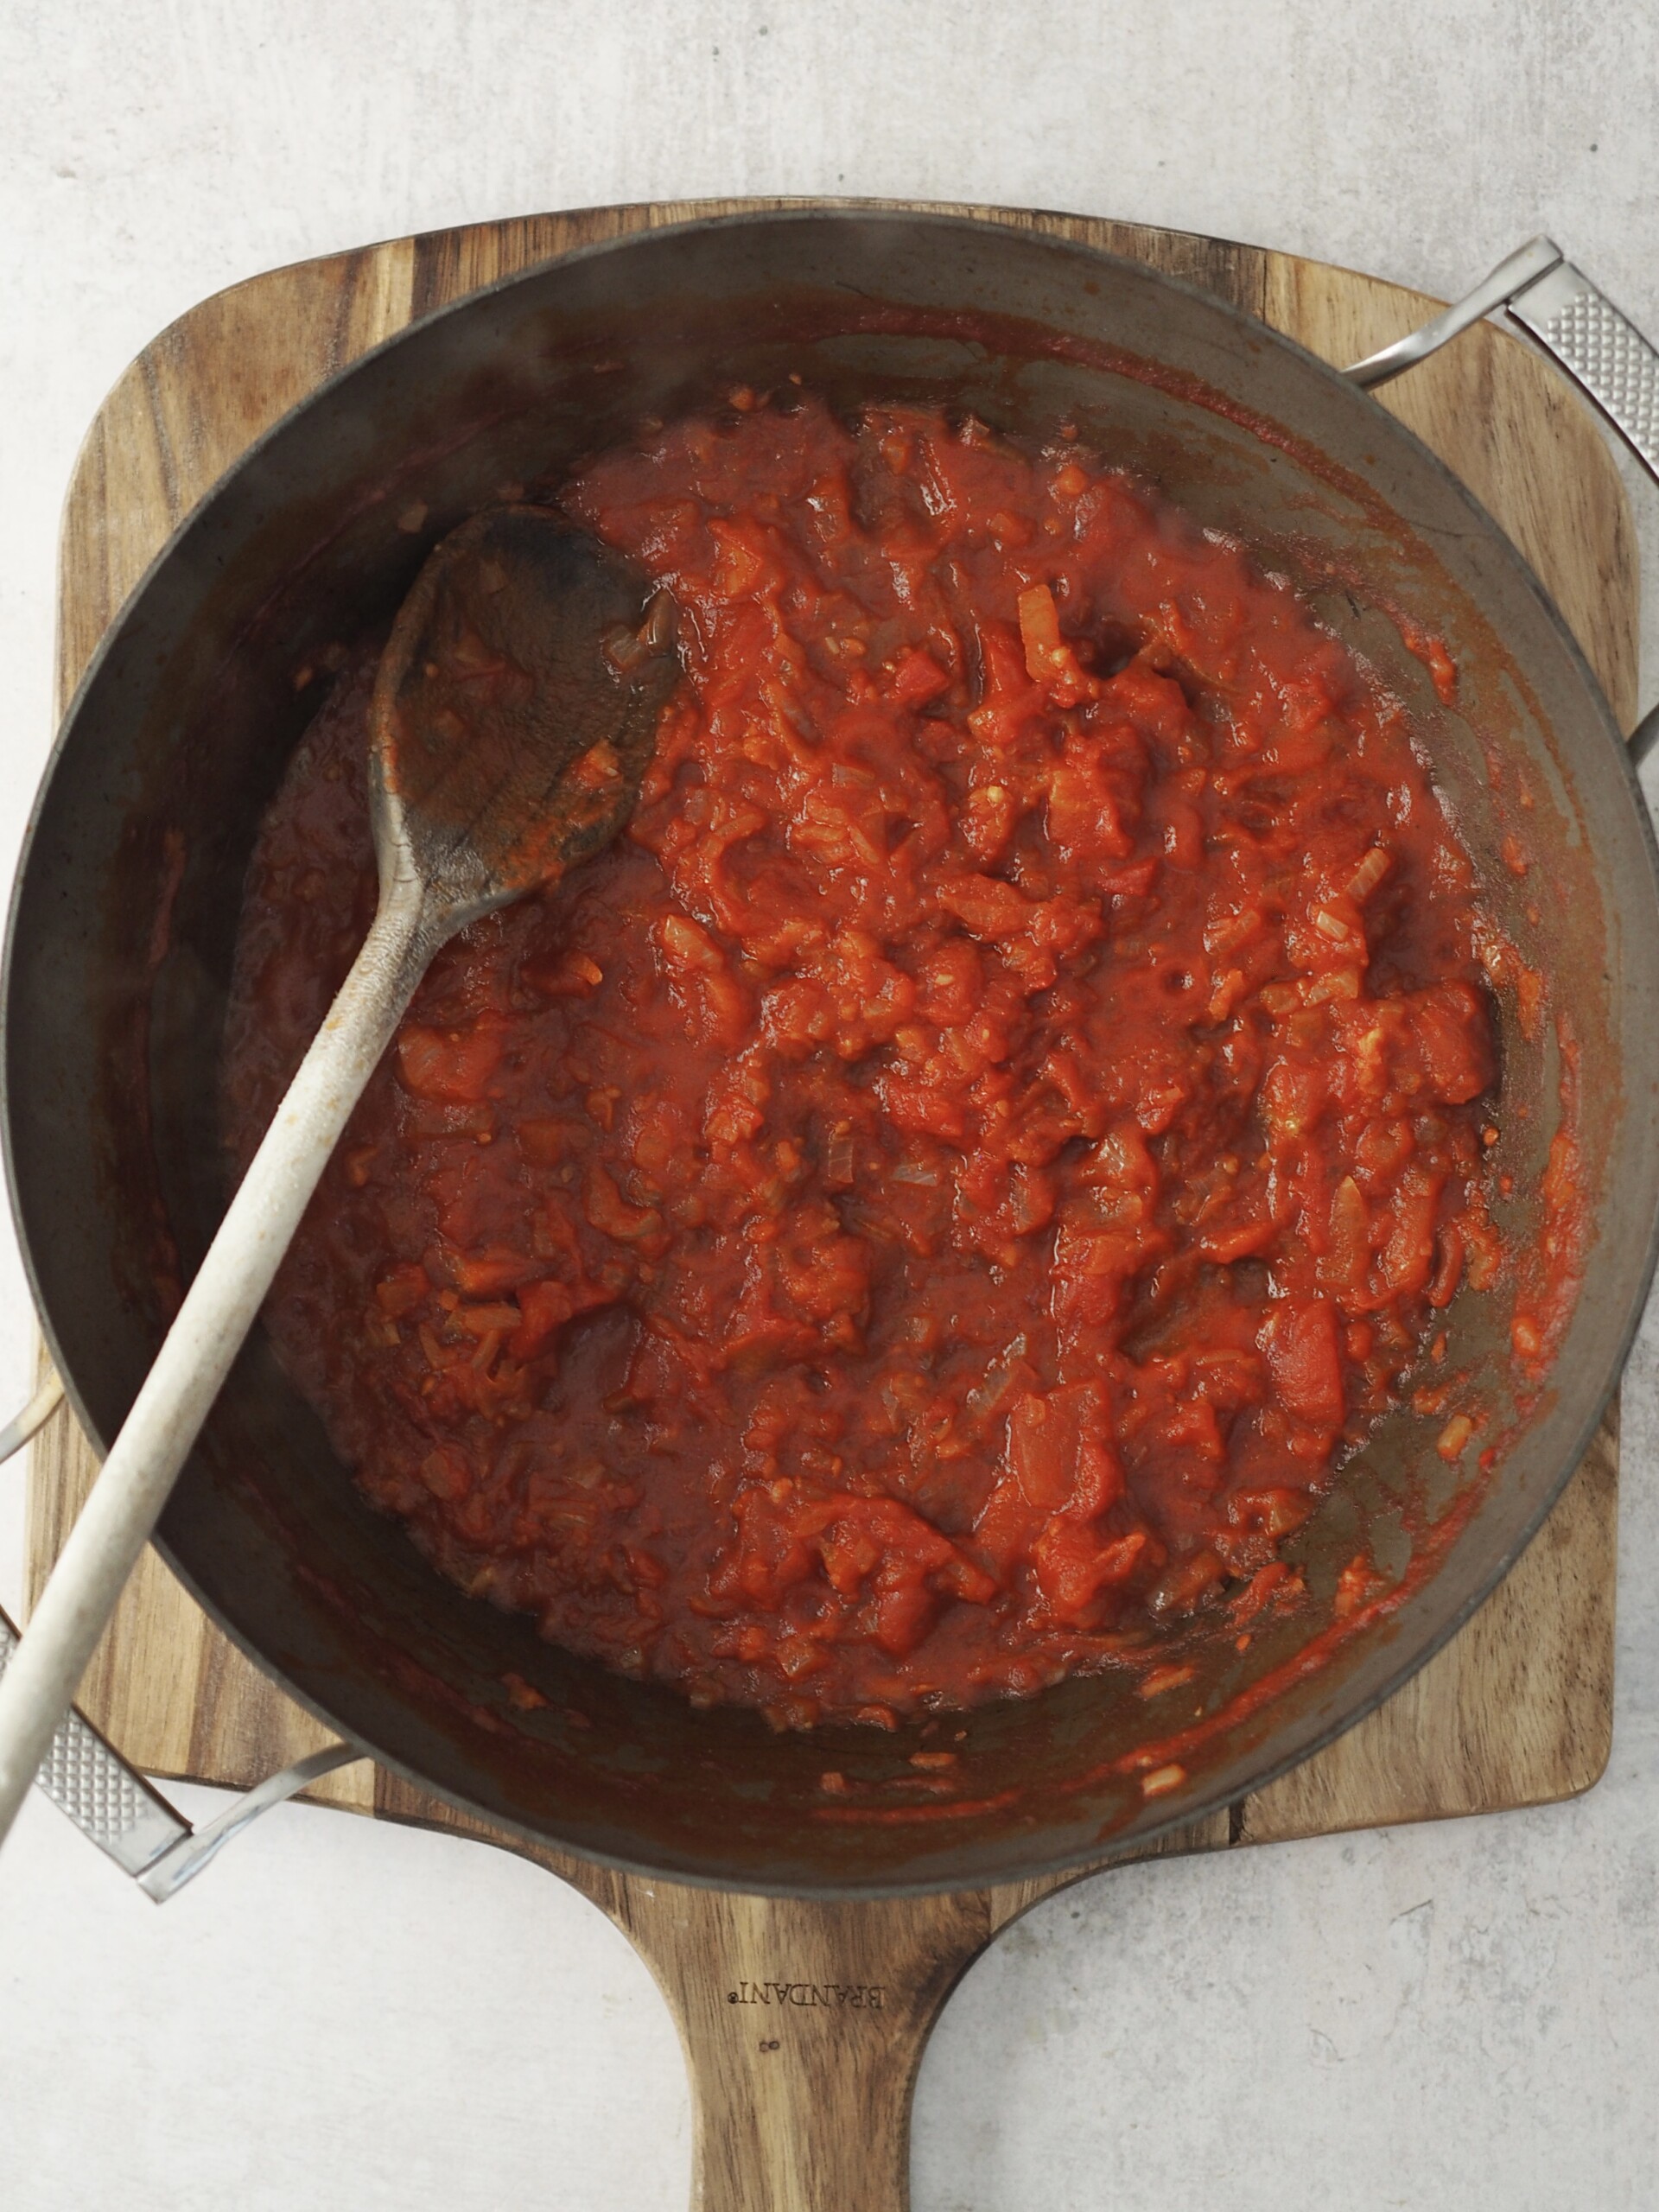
(126, 911)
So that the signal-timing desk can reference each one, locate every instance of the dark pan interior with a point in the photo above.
(124, 917)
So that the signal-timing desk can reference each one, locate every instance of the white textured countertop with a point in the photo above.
(341, 2015)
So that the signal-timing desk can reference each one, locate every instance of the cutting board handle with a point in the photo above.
(794, 2115)
(804, 2026)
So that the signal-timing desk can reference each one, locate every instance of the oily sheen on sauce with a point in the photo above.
(929, 1210)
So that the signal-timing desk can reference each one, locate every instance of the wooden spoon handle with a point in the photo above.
(207, 1332)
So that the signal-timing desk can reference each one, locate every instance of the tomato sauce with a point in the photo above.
(939, 1198)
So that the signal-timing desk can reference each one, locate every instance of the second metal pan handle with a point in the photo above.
(1579, 327)
(1602, 349)
(108, 1799)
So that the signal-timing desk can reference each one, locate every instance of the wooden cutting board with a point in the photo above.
(804, 2023)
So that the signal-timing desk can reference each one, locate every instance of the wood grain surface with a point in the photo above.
(804, 2023)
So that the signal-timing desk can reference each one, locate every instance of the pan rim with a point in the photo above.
(880, 214)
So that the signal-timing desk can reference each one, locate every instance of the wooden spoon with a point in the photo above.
(513, 715)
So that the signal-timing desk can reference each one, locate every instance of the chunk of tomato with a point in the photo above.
(453, 1066)
(1300, 1339)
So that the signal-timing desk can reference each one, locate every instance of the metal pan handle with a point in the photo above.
(109, 1801)
(1580, 328)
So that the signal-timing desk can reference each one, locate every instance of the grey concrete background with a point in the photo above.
(345, 2017)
